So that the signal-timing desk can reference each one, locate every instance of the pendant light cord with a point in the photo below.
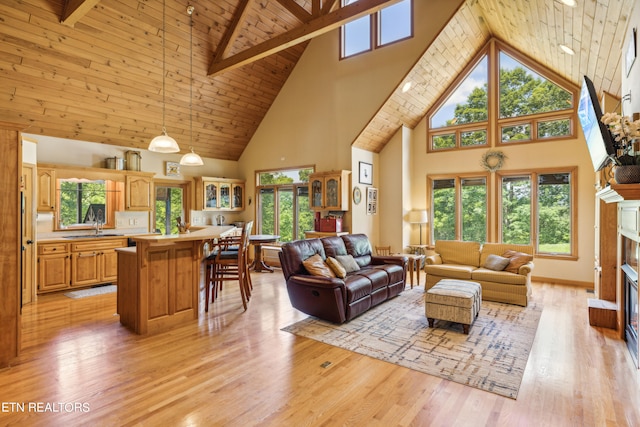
(164, 67)
(190, 11)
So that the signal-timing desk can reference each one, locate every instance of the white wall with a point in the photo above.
(326, 102)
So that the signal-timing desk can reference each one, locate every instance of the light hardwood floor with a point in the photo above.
(235, 368)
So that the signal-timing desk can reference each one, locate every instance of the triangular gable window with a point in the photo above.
(531, 105)
(468, 102)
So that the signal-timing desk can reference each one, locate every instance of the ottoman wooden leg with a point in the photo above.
(465, 329)
(431, 322)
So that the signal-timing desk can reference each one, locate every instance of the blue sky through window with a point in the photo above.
(478, 77)
(394, 24)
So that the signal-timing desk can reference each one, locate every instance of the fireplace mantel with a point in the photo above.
(615, 193)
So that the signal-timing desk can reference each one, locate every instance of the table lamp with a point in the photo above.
(418, 217)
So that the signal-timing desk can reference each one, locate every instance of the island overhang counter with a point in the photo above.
(159, 279)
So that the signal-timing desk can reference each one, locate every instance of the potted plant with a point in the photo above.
(626, 159)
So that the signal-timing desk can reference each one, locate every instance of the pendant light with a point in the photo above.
(191, 159)
(163, 143)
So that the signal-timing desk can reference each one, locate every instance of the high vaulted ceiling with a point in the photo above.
(99, 75)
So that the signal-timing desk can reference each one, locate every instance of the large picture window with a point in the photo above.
(539, 208)
(459, 208)
(283, 203)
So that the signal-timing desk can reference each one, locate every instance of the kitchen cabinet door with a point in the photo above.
(138, 193)
(53, 272)
(85, 268)
(238, 197)
(46, 190)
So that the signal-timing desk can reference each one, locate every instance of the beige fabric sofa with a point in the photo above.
(465, 261)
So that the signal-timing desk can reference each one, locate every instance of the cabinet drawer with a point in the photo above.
(52, 248)
(98, 245)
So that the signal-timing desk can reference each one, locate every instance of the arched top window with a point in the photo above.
(504, 91)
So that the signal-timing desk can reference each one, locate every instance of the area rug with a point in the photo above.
(99, 290)
(492, 357)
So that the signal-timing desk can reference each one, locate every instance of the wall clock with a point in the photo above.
(357, 195)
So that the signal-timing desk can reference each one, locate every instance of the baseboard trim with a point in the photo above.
(556, 281)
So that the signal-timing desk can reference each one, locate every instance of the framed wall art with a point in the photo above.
(172, 168)
(357, 195)
(365, 173)
(372, 201)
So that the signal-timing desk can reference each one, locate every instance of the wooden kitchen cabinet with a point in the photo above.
(46, 190)
(95, 262)
(79, 264)
(138, 192)
(329, 190)
(219, 194)
(54, 267)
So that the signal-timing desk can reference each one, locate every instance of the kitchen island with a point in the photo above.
(159, 279)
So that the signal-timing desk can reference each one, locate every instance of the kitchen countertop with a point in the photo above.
(196, 233)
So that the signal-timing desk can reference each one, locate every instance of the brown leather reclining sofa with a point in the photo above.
(334, 299)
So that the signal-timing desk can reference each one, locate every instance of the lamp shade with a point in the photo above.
(191, 159)
(418, 217)
(164, 144)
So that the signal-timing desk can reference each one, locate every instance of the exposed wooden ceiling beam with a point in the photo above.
(232, 30)
(327, 6)
(76, 9)
(307, 31)
(296, 10)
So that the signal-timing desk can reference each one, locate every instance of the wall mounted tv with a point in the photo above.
(596, 133)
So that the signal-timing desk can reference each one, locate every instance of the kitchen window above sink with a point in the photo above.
(86, 204)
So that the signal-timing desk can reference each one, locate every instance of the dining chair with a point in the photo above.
(229, 261)
(383, 250)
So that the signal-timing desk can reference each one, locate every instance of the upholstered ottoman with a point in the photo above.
(455, 301)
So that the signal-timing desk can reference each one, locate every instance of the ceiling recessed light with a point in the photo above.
(406, 87)
(567, 49)
(571, 3)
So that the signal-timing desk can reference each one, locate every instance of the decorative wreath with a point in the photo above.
(493, 160)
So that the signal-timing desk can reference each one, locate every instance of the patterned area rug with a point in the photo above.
(98, 290)
(492, 357)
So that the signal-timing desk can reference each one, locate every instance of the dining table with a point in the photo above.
(258, 240)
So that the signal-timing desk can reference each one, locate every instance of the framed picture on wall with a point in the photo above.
(365, 173)
(372, 201)
(172, 168)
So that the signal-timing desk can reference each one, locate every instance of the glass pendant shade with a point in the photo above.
(191, 159)
(164, 144)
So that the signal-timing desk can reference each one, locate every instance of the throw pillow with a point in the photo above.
(337, 268)
(316, 266)
(516, 260)
(348, 262)
(496, 262)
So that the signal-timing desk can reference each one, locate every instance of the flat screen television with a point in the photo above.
(596, 133)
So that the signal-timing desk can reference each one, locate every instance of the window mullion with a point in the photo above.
(534, 210)
(458, 192)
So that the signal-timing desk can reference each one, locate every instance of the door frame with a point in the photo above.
(29, 253)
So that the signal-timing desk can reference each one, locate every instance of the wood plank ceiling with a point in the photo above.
(594, 29)
(99, 78)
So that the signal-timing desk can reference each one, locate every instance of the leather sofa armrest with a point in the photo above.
(390, 259)
(433, 259)
(526, 269)
(317, 281)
